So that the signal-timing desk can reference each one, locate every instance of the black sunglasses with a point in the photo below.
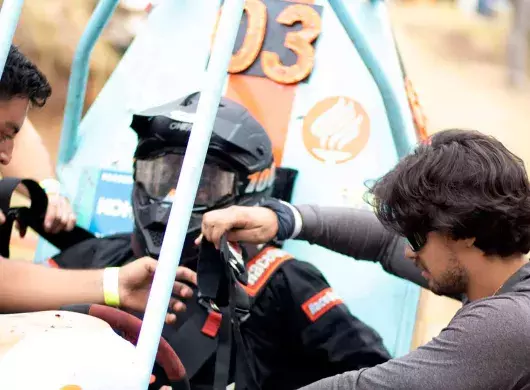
(417, 241)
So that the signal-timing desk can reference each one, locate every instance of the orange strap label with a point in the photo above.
(213, 324)
(320, 303)
(261, 268)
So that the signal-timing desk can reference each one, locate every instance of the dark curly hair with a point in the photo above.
(21, 78)
(461, 183)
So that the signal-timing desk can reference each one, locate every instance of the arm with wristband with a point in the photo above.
(29, 287)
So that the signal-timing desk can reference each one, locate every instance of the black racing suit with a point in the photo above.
(298, 330)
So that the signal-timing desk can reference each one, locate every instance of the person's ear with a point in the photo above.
(462, 244)
(470, 242)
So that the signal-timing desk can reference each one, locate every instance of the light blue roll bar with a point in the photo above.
(188, 183)
(75, 99)
(403, 137)
(78, 79)
(9, 15)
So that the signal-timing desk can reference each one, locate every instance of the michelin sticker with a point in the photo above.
(112, 211)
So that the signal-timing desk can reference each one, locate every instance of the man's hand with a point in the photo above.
(135, 281)
(254, 225)
(59, 215)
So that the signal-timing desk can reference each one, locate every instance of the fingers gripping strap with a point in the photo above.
(39, 199)
(8, 185)
(39, 204)
(32, 217)
(212, 278)
(111, 286)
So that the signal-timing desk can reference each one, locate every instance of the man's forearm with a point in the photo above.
(358, 233)
(29, 287)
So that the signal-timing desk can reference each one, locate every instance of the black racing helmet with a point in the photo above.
(239, 167)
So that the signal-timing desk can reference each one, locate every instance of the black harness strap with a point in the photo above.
(191, 344)
(220, 276)
(32, 217)
(221, 292)
(224, 349)
(7, 187)
(213, 282)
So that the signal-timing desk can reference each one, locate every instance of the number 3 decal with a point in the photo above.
(300, 42)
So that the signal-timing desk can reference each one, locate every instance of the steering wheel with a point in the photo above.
(128, 327)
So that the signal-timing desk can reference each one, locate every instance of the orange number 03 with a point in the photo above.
(300, 42)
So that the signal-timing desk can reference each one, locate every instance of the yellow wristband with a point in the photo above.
(111, 291)
(50, 186)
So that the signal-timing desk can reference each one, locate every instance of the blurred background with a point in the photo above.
(469, 67)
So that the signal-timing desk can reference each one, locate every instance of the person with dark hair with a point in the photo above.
(22, 79)
(462, 203)
(31, 287)
(23, 86)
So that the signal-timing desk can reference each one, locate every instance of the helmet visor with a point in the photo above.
(159, 177)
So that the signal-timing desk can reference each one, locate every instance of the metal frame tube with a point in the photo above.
(401, 133)
(75, 99)
(188, 183)
(9, 16)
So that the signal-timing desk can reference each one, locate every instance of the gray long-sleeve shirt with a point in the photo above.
(485, 346)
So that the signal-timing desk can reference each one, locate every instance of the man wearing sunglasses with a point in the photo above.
(463, 204)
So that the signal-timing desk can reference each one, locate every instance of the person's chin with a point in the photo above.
(443, 289)
(435, 288)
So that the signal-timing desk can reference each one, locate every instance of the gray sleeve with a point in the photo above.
(358, 233)
(482, 348)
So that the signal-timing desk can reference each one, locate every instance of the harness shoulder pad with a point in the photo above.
(261, 268)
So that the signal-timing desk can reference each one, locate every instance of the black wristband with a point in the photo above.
(286, 218)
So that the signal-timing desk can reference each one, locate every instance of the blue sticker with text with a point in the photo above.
(112, 210)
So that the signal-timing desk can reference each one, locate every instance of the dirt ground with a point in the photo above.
(457, 64)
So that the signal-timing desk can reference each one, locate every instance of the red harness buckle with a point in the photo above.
(212, 324)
